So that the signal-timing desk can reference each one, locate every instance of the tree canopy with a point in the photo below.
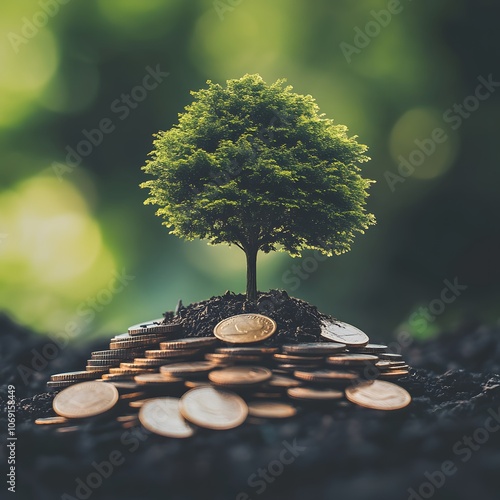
(258, 166)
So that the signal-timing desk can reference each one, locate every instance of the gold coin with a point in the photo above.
(51, 421)
(173, 353)
(162, 416)
(189, 343)
(390, 356)
(155, 379)
(107, 363)
(245, 328)
(264, 409)
(370, 348)
(220, 363)
(132, 395)
(344, 333)
(138, 403)
(291, 358)
(308, 394)
(390, 367)
(283, 382)
(85, 400)
(130, 371)
(235, 358)
(131, 365)
(383, 364)
(350, 359)
(120, 354)
(326, 376)
(399, 367)
(74, 376)
(192, 369)
(137, 338)
(99, 369)
(149, 362)
(213, 408)
(193, 384)
(117, 376)
(394, 374)
(252, 351)
(154, 326)
(378, 395)
(240, 375)
(314, 348)
(129, 344)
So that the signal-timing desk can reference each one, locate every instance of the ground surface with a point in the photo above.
(337, 453)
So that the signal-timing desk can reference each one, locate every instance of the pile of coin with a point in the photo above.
(181, 383)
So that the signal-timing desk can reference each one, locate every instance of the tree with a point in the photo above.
(257, 166)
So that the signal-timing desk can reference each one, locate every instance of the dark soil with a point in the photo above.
(297, 321)
(341, 452)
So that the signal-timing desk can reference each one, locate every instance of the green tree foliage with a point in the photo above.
(258, 166)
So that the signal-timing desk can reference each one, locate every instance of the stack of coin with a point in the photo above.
(178, 384)
(118, 362)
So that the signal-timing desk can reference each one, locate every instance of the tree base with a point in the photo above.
(297, 320)
(340, 451)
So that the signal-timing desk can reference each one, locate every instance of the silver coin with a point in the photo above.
(390, 356)
(351, 359)
(162, 416)
(154, 326)
(369, 349)
(313, 348)
(344, 333)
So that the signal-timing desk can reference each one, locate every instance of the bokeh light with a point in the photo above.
(413, 137)
(61, 240)
(53, 254)
(139, 20)
(27, 65)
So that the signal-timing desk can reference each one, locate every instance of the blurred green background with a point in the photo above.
(68, 226)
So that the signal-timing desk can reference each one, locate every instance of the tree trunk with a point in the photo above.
(251, 254)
